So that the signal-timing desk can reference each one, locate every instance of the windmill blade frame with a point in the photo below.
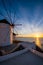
(9, 14)
(3, 2)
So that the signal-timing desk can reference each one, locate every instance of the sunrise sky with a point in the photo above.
(29, 13)
(35, 35)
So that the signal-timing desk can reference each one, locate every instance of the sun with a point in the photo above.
(37, 35)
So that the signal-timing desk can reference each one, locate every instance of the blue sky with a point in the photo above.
(29, 13)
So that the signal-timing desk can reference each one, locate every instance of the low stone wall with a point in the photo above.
(5, 57)
(36, 52)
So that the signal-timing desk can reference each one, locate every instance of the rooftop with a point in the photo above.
(6, 22)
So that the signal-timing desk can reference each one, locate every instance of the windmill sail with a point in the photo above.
(10, 16)
(7, 11)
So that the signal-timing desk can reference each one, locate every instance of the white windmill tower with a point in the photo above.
(6, 28)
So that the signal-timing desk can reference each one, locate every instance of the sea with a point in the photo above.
(39, 41)
(29, 39)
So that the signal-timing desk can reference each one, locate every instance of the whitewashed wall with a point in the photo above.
(11, 34)
(4, 34)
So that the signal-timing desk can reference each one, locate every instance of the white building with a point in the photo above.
(6, 35)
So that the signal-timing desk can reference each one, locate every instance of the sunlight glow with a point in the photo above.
(37, 40)
(38, 35)
(35, 35)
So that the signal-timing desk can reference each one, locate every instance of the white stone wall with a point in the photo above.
(4, 34)
(11, 35)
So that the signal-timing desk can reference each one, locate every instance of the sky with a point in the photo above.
(29, 13)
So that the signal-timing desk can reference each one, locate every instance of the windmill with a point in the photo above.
(12, 24)
(8, 12)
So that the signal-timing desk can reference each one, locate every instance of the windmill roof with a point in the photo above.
(6, 22)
